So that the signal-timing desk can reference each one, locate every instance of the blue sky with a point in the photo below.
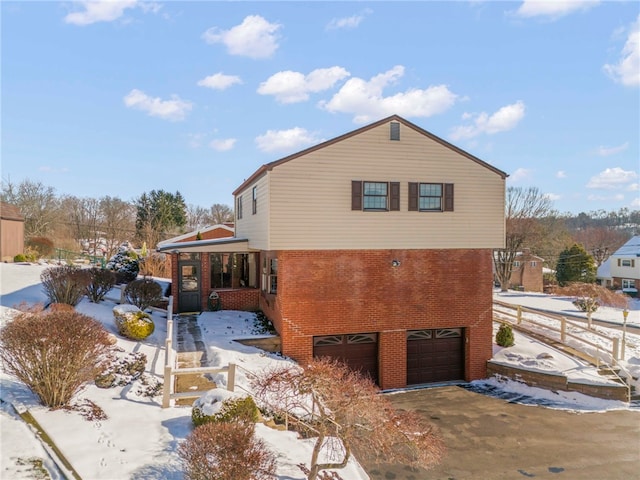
(120, 98)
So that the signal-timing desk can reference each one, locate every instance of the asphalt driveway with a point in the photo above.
(489, 438)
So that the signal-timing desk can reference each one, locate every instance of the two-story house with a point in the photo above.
(622, 269)
(373, 248)
(526, 273)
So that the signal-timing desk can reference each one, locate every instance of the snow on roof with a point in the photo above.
(194, 233)
(604, 270)
(629, 249)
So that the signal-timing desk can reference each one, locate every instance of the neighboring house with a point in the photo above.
(624, 267)
(526, 273)
(375, 248)
(11, 232)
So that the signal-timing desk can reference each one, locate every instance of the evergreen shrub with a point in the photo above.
(504, 337)
(132, 322)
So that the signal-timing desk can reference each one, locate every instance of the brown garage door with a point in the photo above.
(359, 351)
(435, 355)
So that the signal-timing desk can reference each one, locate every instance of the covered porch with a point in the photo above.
(214, 274)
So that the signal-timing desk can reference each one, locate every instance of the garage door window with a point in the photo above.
(327, 340)
(419, 334)
(362, 338)
(449, 333)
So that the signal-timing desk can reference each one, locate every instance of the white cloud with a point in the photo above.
(612, 178)
(634, 187)
(293, 87)
(561, 174)
(635, 203)
(174, 109)
(504, 119)
(606, 151)
(223, 145)
(552, 196)
(219, 81)
(254, 37)
(627, 70)
(99, 11)
(365, 99)
(604, 198)
(520, 174)
(553, 9)
(348, 22)
(50, 169)
(286, 140)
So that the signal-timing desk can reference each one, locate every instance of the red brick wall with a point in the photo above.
(210, 235)
(246, 299)
(346, 291)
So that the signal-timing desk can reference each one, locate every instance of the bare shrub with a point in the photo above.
(42, 246)
(101, 281)
(344, 411)
(226, 451)
(65, 284)
(143, 293)
(53, 353)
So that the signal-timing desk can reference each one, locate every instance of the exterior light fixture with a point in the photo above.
(395, 263)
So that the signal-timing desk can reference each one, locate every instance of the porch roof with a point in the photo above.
(216, 245)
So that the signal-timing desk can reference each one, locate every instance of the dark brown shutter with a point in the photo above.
(413, 197)
(618, 262)
(394, 198)
(633, 263)
(448, 197)
(356, 195)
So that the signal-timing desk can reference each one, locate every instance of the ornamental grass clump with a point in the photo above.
(132, 322)
(504, 337)
(65, 284)
(54, 353)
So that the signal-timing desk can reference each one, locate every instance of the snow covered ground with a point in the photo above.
(138, 439)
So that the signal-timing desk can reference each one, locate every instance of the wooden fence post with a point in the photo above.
(231, 377)
(519, 321)
(563, 330)
(615, 349)
(166, 388)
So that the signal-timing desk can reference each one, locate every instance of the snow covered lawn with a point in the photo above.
(138, 439)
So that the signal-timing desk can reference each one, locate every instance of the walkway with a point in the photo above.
(191, 353)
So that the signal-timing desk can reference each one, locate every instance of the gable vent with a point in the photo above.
(394, 131)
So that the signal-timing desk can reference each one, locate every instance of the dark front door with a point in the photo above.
(435, 355)
(189, 286)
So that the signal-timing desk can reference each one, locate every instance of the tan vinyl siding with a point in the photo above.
(311, 196)
(255, 227)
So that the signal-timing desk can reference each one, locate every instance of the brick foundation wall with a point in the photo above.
(348, 291)
(246, 299)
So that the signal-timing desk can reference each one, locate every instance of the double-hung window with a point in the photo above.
(375, 196)
(254, 197)
(430, 197)
(239, 208)
(628, 283)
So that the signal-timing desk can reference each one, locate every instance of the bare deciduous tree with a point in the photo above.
(38, 204)
(524, 208)
(600, 242)
(221, 214)
(344, 411)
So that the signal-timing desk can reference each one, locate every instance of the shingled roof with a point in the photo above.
(10, 212)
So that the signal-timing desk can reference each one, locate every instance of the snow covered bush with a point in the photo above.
(143, 293)
(125, 264)
(219, 405)
(586, 305)
(504, 336)
(100, 282)
(65, 284)
(226, 451)
(132, 322)
(53, 353)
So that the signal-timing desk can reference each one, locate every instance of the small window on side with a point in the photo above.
(394, 131)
